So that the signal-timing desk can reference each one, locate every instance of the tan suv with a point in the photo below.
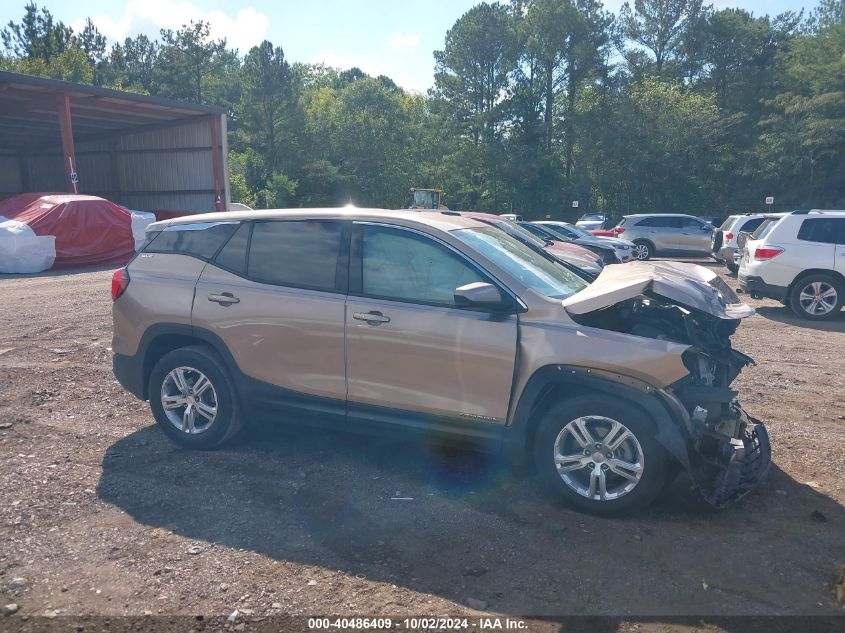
(446, 327)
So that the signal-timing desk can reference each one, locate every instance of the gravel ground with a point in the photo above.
(101, 515)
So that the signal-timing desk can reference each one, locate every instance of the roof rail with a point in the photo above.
(801, 212)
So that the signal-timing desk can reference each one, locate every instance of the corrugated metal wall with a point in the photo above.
(168, 168)
(10, 174)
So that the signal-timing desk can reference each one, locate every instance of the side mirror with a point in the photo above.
(480, 295)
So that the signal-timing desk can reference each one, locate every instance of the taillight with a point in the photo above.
(119, 283)
(618, 230)
(767, 252)
(729, 236)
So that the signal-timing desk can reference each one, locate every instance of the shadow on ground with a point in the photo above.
(782, 314)
(457, 525)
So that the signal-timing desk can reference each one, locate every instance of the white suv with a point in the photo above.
(799, 259)
(724, 245)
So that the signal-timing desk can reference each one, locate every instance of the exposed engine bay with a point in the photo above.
(728, 451)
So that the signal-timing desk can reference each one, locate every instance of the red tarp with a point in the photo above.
(89, 231)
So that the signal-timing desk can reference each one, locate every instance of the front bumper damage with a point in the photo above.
(726, 455)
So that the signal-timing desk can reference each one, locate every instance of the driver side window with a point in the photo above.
(405, 266)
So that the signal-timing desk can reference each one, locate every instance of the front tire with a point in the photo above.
(600, 455)
(193, 399)
(643, 251)
(816, 297)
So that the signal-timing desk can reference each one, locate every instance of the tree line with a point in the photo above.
(669, 105)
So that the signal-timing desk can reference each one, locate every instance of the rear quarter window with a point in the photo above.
(202, 239)
(822, 230)
(728, 223)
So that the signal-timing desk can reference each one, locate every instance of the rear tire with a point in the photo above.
(733, 268)
(202, 408)
(616, 467)
(816, 297)
(643, 250)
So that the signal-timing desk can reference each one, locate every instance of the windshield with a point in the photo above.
(541, 273)
(559, 232)
(570, 229)
(591, 217)
(514, 230)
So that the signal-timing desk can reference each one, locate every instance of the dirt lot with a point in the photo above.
(99, 514)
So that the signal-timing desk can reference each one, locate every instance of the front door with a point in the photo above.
(694, 235)
(408, 347)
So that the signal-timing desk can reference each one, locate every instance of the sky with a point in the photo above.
(390, 37)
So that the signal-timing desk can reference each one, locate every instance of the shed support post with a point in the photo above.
(68, 153)
(216, 164)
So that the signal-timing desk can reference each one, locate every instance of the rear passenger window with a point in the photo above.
(202, 239)
(233, 256)
(659, 221)
(819, 230)
(303, 253)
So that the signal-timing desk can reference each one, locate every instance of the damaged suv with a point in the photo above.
(447, 327)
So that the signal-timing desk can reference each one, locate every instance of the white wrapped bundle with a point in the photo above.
(22, 251)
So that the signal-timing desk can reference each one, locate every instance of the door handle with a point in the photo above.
(225, 298)
(371, 317)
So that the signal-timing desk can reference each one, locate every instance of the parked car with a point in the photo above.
(607, 253)
(724, 243)
(624, 249)
(593, 221)
(443, 326)
(712, 220)
(571, 254)
(798, 258)
(667, 234)
(513, 217)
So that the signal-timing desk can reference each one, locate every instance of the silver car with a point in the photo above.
(624, 248)
(665, 234)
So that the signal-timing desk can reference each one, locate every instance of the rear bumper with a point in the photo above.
(755, 285)
(129, 371)
(725, 254)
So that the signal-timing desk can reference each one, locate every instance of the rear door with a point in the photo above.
(275, 296)
(409, 348)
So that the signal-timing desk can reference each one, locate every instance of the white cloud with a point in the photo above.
(242, 31)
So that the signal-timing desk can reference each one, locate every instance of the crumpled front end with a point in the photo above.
(729, 451)
(726, 452)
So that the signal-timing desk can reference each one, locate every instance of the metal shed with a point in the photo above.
(143, 152)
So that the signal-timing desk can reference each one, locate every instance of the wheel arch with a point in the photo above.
(552, 382)
(161, 338)
(816, 271)
(645, 240)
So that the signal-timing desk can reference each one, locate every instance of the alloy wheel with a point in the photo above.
(189, 400)
(641, 251)
(818, 298)
(599, 458)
